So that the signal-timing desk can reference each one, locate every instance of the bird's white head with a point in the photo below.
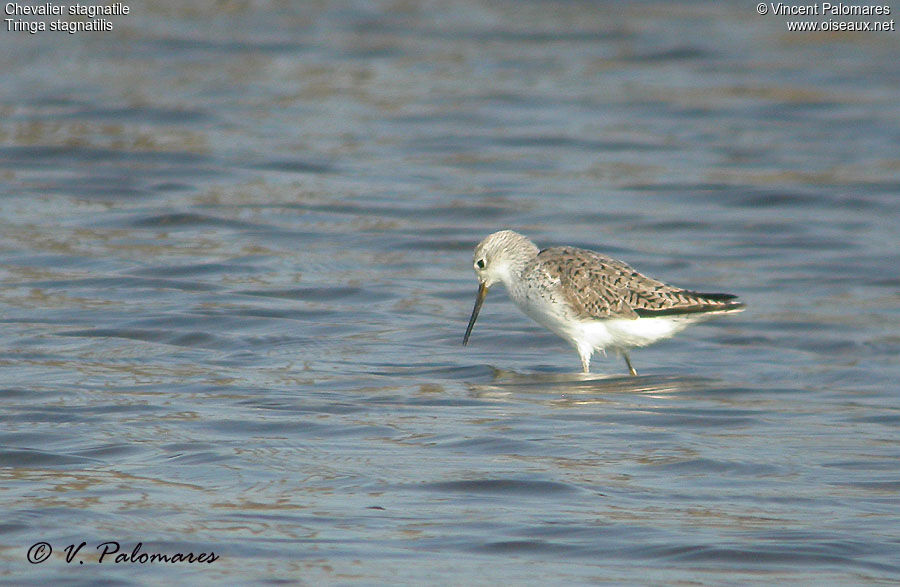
(502, 255)
(498, 257)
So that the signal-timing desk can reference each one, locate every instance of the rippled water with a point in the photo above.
(235, 271)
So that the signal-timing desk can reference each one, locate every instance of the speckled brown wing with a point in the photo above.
(600, 287)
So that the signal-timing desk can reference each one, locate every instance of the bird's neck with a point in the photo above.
(512, 272)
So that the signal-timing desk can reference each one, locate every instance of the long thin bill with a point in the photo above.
(482, 293)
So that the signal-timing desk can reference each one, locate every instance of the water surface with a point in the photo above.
(235, 271)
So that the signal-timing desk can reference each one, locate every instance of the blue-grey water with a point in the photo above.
(235, 271)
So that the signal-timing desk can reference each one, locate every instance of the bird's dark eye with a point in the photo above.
(480, 263)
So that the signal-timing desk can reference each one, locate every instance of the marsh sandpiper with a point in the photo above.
(593, 301)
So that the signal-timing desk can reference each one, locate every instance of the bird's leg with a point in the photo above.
(585, 355)
(628, 362)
